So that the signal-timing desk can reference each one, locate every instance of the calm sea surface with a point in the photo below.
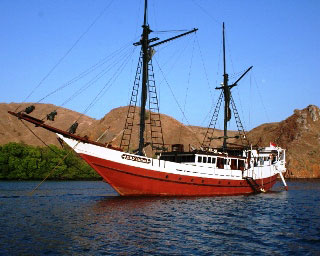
(88, 218)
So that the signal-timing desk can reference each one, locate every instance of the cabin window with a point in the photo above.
(200, 159)
(241, 165)
(281, 157)
(261, 162)
(167, 158)
(185, 158)
(209, 160)
(204, 159)
(234, 164)
(213, 160)
(190, 159)
(220, 162)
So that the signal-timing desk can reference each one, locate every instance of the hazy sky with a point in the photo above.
(45, 44)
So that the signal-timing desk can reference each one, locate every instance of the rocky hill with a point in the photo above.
(299, 134)
(14, 130)
(107, 129)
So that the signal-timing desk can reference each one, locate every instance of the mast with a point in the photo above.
(226, 90)
(145, 59)
(226, 94)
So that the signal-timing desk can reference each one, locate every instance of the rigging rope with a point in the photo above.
(164, 46)
(171, 31)
(92, 81)
(204, 68)
(175, 57)
(52, 171)
(207, 13)
(188, 84)
(85, 72)
(107, 85)
(38, 137)
(240, 102)
(261, 99)
(98, 76)
(177, 102)
(213, 103)
(66, 54)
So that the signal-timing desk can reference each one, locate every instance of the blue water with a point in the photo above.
(88, 218)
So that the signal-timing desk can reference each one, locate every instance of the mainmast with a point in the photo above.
(145, 56)
(226, 90)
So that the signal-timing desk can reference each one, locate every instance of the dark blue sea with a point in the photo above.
(89, 218)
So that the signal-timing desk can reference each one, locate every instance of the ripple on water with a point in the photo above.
(89, 218)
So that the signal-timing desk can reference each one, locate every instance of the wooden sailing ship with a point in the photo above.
(205, 171)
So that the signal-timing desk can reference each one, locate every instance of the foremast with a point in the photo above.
(146, 58)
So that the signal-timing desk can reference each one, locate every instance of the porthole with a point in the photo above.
(202, 181)
(167, 177)
(191, 180)
(219, 182)
(180, 178)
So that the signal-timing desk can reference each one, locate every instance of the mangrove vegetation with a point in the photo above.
(24, 162)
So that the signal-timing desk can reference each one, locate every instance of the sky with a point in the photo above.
(80, 55)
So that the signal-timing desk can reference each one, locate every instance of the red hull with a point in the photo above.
(132, 181)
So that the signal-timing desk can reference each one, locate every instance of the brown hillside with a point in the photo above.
(300, 135)
(111, 125)
(107, 129)
(14, 130)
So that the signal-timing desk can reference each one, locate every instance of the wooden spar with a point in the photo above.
(40, 123)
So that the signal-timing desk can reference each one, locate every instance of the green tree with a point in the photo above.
(23, 162)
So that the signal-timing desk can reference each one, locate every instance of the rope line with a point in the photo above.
(206, 12)
(85, 73)
(92, 81)
(261, 99)
(188, 84)
(52, 171)
(67, 53)
(39, 138)
(177, 101)
(171, 31)
(107, 85)
(204, 68)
